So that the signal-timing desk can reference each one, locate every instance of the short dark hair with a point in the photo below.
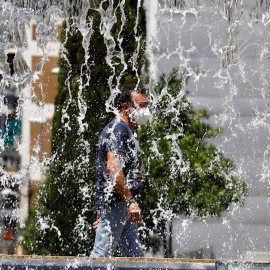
(125, 95)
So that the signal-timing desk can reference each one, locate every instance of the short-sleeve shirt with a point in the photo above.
(118, 137)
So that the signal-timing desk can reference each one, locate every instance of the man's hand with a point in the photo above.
(134, 213)
(96, 223)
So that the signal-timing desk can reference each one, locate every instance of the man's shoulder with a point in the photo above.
(117, 125)
(115, 136)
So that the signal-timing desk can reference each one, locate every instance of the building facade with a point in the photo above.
(10, 160)
(223, 47)
(26, 119)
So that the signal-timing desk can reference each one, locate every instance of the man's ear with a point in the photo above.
(125, 106)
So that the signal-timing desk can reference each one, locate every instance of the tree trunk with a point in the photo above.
(167, 239)
(164, 239)
(170, 252)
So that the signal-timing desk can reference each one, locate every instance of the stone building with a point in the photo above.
(223, 46)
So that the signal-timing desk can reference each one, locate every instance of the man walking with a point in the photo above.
(120, 178)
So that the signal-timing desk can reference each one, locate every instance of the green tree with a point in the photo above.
(186, 174)
(108, 52)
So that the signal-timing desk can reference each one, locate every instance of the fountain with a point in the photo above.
(221, 51)
(224, 46)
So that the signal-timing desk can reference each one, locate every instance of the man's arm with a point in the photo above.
(115, 171)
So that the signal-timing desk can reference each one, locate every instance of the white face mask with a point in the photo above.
(141, 116)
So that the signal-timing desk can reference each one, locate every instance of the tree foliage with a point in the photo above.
(64, 211)
(186, 174)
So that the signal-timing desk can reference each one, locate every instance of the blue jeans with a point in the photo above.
(115, 229)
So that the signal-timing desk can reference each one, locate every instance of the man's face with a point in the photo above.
(139, 100)
(139, 103)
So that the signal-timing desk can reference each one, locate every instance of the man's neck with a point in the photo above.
(125, 118)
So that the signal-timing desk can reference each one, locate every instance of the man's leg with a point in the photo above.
(110, 228)
(130, 244)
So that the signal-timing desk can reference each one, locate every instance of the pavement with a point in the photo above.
(14, 262)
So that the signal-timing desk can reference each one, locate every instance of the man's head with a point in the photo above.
(134, 105)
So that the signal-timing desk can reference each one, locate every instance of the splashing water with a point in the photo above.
(221, 50)
(224, 48)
